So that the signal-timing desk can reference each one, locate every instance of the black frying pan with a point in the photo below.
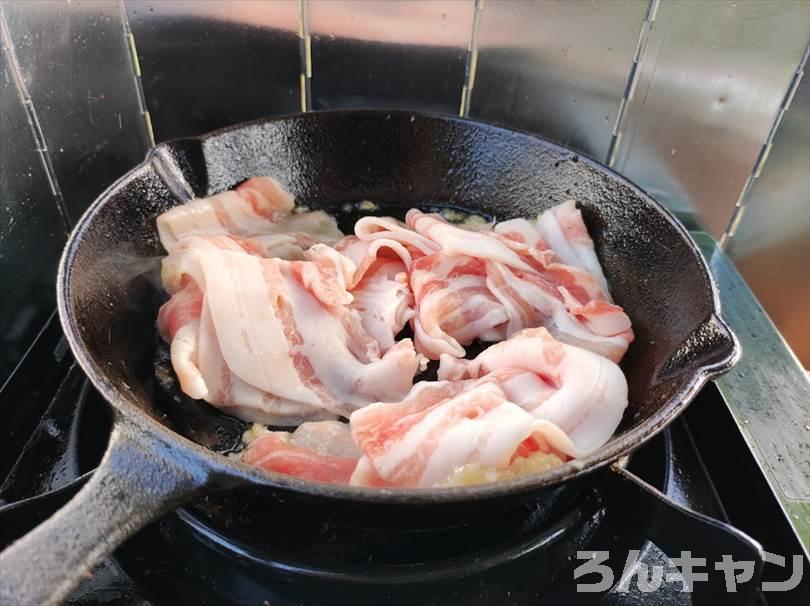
(400, 160)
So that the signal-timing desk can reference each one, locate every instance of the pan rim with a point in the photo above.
(224, 471)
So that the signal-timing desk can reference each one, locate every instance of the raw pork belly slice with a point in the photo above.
(456, 241)
(388, 229)
(384, 301)
(441, 427)
(526, 395)
(564, 231)
(454, 305)
(258, 207)
(275, 341)
(531, 299)
(379, 285)
(278, 319)
(582, 393)
(322, 451)
(490, 284)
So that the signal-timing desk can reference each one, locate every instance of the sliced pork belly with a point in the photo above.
(456, 241)
(322, 451)
(372, 228)
(384, 301)
(365, 253)
(258, 207)
(570, 300)
(289, 246)
(379, 285)
(511, 280)
(489, 416)
(531, 299)
(332, 438)
(441, 427)
(582, 393)
(454, 305)
(276, 341)
(564, 231)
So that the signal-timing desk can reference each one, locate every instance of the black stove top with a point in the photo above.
(533, 554)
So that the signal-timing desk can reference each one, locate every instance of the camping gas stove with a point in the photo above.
(597, 543)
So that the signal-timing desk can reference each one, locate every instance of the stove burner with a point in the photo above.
(217, 551)
(328, 550)
(68, 441)
(522, 555)
(315, 562)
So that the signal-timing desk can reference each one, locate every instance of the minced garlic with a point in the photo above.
(473, 473)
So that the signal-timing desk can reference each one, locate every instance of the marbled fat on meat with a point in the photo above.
(276, 340)
(321, 451)
(490, 283)
(258, 207)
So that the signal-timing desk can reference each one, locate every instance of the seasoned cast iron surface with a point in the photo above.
(398, 160)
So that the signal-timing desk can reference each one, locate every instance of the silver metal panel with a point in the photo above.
(710, 83)
(209, 64)
(76, 64)
(771, 246)
(32, 232)
(556, 68)
(767, 392)
(389, 53)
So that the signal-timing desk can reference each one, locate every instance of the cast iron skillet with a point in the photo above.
(400, 160)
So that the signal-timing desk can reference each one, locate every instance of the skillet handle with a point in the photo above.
(137, 480)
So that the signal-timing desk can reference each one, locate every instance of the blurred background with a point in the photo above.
(702, 104)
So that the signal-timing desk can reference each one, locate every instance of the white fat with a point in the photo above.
(184, 348)
(250, 335)
(331, 438)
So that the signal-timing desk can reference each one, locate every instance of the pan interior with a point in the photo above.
(398, 160)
